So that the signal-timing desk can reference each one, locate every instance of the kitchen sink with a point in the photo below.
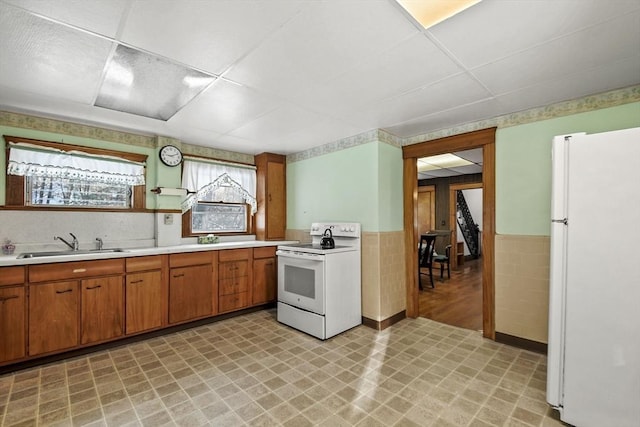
(64, 253)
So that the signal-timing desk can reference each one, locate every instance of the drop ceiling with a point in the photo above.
(294, 74)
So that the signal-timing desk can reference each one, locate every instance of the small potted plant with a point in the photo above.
(8, 247)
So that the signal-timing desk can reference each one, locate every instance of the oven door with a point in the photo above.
(301, 280)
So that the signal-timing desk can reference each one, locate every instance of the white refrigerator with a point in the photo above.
(593, 365)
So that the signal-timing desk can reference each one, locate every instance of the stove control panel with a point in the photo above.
(338, 229)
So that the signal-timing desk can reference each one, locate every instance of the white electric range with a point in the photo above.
(319, 290)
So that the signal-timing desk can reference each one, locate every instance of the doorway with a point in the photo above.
(484, 139)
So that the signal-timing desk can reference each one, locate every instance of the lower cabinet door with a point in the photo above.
(144, 301)
(12, 323)
(102, 304)
(190, 293)
(53, 316)
(265, 280)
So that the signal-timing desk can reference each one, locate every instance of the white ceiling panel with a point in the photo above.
(42, 57)
(320, 43)
(565, 55)
(457, 90)
(466, 170)
(617, 75)
(98, 16)
(277, 124)
(474, 155)
(302, 73)
(494, 29)
(224, 106)
(217, 33)
(448, 118)
(412, 64)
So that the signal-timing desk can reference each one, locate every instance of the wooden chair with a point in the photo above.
(425, 257)
(444, 259)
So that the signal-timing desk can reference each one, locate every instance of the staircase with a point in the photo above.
(467, 226)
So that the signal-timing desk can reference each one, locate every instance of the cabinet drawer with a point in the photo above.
(230, 270)
(234, 254)
(190, 258)
(266, 252)
(11, 276)
(234, 301)
(144, 263)
(73, 270)
(233, 286)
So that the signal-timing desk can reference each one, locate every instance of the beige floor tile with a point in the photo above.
(251, 370)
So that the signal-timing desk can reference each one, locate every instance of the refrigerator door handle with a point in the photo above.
(564, 221)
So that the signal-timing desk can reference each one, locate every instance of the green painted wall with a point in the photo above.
(152, 162)
(358, 184)
(523, 165)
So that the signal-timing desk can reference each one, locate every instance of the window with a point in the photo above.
(42, 174)
(222, 200)
(47, 191)
(211, 217)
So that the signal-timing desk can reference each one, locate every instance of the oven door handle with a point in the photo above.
(297, 255)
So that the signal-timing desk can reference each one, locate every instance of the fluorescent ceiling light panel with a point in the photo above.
(431, 12)
(441, 161)
(146, 85)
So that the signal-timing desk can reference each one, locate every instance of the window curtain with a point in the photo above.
(34, 160)
(218, 181)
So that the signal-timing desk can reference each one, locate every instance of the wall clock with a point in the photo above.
(170, 155)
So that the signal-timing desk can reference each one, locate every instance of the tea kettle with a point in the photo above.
(327, 240)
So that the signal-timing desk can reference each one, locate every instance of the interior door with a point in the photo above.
(426, 209)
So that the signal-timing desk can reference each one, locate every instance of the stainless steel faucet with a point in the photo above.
(74, 245)
(99, 243)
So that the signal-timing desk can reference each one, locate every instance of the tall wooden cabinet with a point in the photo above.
(271, 218)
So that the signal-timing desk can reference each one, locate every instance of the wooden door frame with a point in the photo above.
(484, 139)
(453, 222)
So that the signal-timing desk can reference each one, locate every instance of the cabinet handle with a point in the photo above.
(269, 263)
(178, 275)
(80, 270)
(93, 287)
(233, 268)
(3, 299)
(64, 292)
(136, 281)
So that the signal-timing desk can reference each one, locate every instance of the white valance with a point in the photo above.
(205, 178)
(33, 160)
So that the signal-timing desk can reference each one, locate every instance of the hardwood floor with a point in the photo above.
(456, 301)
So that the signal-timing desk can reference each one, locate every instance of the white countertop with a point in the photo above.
(11, 260)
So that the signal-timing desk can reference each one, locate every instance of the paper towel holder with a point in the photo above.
(168, 191)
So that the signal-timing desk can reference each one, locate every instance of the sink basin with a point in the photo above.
(64, 253)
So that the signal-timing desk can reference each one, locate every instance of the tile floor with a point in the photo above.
(251, 370)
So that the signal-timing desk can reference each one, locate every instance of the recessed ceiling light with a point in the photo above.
(139, 83)
(431, 12)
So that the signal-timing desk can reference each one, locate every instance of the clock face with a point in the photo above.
(170, 155)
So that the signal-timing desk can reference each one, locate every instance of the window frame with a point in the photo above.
(15, 186)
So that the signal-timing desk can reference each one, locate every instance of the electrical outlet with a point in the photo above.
(168, 219)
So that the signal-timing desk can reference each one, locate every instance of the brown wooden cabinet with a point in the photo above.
(102, 309)
(234, 270)
(271, 218)
(265, 275)
(74, 303)
(55, 307)
(53, 316)
(12, 314)
(191, 286)
(145, 293)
